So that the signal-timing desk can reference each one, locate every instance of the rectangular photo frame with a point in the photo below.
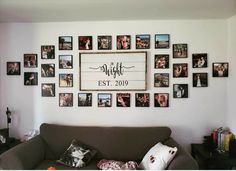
(48, 70)
(162, 41)
(161, 61)
(85, 99)
(180, 50)
(123, 100)
(104, 100)
(47, 52)
(13, 68)
(30, 78)
(199, 60)
(161, 99)
(220, 69)
(66, 80)
(48, 89)
(65, 99)
(142, 99)
(123, 42)
(30, 60)
(104, 42)
(143, 41)
(180, 70)
(161, 80)
(200, 79)
(85, 42)
(65, 43)
(65, 61)
(180, 91)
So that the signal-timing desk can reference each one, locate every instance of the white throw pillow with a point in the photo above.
(158, 157)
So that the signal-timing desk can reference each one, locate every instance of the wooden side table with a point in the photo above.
(212, 160)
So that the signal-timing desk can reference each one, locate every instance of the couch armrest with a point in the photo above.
(23, 156)
(183, 160)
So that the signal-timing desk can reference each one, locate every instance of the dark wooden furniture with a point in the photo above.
(212, 159)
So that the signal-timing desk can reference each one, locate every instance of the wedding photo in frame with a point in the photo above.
(65, 99)
(180, 50)
(30, 78)
(104, 99)
(48, 89)
(200, 79)
(123, 42)
(180, 90)
(123, 99)
(65, 61)
(142, 99)
(30, 60)
(84, 99)
(161, 99)
(220, 69)
(65, 80)
(13, 68)
(85, 42)
(65, 43)
(162, 41)
(199, 60)
(104, 42)
(161, 61)
(47, 52)
(143, 41)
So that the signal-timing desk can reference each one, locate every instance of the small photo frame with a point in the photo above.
(13, 68)
(85, 42)
(161, 61)
(104, 99)
(85, 99)
(180, 50)
(48, 52)
(180, 90)
(65, 43)
(180, 70)
(199, 60)
(47, 70)
(161, 80)
(30, 78)
(123, 99)
(220, 69)
(143, 41)
(30, 60)
(142, 99)
(65, 80)
(65, 99)
(104, 42)
(161, 99)
(65, 61)
(123, 42)
(48, 89)
(162, 41)
(200, 79)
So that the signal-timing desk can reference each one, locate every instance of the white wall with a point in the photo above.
(190, 119)
(231, 118)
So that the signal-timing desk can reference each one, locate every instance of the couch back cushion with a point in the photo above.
(120, 143)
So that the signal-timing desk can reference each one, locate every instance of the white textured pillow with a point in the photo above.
(158, 157)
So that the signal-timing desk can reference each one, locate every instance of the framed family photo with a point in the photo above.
(48, 89)
(180, 90)
(65, 99)
(220, 69)
(104, 42)
(142, 99)
(161, 61)
(13, 68)
(161, 80)
(65, 43)
(30, 78)
(65, 80)
(85, 99)
(123, 99)
(143, 41)
(47, 70)
(180, 70)
(65, 61)
(123, 42)
(30, 60)
(104, 99)
(161, 99)
(85, 42)
(180, 50)
(200, 79)
(199, 60)
(48, 52)
(162, 41)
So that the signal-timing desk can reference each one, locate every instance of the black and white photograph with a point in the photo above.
(47, 70)
(85, 42)
(142, 99)
(65, 99)
(220, 69)
(104, 99)
(161, 80)
(65, 43)
(143, 41)
(48, 90)
(199, 60)
(180, 90)
(123, 99)
(200, 79)
(30, 78)
(180, 50)
(48, 52)
(123, 42)
(161, 61)
(85, 99)
(161, 99)
(180, 70)
(30, 60)
(65, 61)
(104, 42)
(13, 68)
(66, 80)
(162, 41)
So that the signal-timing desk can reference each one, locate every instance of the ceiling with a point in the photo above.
(103, 10)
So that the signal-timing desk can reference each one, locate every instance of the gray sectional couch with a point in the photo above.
(118, 143)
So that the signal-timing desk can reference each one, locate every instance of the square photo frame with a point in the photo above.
(85, 42)
(65, 80)
(104, 99)
(123, 99)
(48, 89)
(220, 69)
(199, 60)
(180, 50)
(200, 79)
(123, 42)
(180, 70)
(47, 70)
(162, 41)
(30, 78)
(161, 61)
(142, 99)
(30, 60)
(13, 68)
(48, 52)
(161, 99)
(104, 42)
(85, 99)
(161, 80)
(65, 42)
(143, 41)
(65, 99)
(65, 61)
(180, 90)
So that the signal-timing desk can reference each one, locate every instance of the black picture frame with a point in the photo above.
(65, 61)
(161, 100)
(85, 42)
(123, 100)
(200, 79)
(48, 70)
(142, 99)
(123, 42)
(161, 61)
(31, 60)
(199, 60)
(48, 89)
(30, 78)
(162, 41)
(104, 100)
(65, 99)
(47, 52)
(104, 42)
(13, 68)
(161, 80)
(180, 50)
(85, 99)
(180, 91)
(66, 80)
(220, 69)
(180, 70)
(65, 43)
(143, 41)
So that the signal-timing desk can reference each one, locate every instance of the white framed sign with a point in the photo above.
(113, 71)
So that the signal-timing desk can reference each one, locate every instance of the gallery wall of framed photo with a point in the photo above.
(43, 84)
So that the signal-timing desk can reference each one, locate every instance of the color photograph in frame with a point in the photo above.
(123, 42)
(30, 78)
(161, 61)
(104, 99)
(47, 70)
(65, 61)
(65, 99)
(161, 80)
(180, 70)
(13, 68)
(48, 52)
(123, 99)
(104, 42)
(161, 99)
(180, 50)
(85, 42)
(30, 60)
(142, 99)
(162, 41)
(48, 89)
(65, 43)
(220, 69)
(200, 79)
(143, 41)
(65, 80)
(199, 60)
(84, 99)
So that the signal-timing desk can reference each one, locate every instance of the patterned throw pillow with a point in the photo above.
(77, 155)
(158, 157)
(116, 165)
